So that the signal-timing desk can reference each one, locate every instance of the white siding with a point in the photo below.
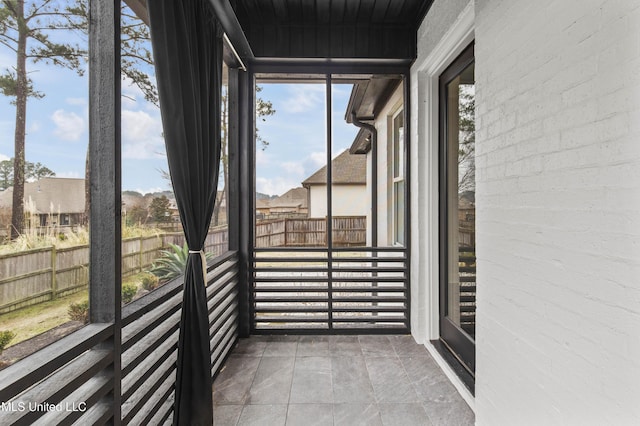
(384, 127)
(558, 219)
(347, 200)
(558, 205)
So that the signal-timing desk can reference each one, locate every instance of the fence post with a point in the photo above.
(54, 283)
(326, 231)
(140, 256)
(286, 240)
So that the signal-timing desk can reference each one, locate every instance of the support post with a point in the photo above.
(246, 147)
(105, 268)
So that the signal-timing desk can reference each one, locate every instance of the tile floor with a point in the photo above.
(335, 380)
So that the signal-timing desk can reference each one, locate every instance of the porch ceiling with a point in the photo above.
(311, 29)
(363, 29)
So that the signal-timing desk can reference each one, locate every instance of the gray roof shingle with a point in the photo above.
(64, 195)
(346, 169)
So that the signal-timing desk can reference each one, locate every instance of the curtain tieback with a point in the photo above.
(204, 263)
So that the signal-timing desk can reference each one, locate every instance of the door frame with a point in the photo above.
(461, 345)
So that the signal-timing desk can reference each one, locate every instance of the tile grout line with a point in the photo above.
(415, 389)
(373, 389)
(244, 402)
(296, 354)
(293, 372)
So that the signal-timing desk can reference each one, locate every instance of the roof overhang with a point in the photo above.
(367, 99)
(362, 142)
(369, 96)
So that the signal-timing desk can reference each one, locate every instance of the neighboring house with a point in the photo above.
(349, 187)
(263, 207)
(293, 201)
(50, 201)
(132, 199)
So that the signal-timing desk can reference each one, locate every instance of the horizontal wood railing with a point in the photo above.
(72, 373)
(150, 341)
(71, 380)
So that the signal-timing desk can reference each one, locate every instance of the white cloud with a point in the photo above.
(141, 135)
(69, 125)
(262, 158)
(34, 126)
(293, 168)
(133, 97)
(317, 159)
(275, 186)
(291, 173)
(313, 162)
(4, 157)
(341, 90)
(303, 98)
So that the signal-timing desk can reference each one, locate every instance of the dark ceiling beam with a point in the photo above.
(227, 17)
(139, 7)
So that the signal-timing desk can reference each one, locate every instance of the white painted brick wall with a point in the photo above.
(558, 212)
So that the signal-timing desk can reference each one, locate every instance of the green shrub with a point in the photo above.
(172, 262)
(79, 311)
(150, 282)
(5, 337)
(128, 292)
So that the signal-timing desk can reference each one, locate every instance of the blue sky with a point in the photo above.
(297, 134)
(57, 130)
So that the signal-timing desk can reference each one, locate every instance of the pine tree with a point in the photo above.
(26, 28)
(159, 209)
(32, 172)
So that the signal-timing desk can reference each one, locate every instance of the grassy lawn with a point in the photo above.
(33, 320)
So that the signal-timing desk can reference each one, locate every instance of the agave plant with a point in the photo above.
(172, 262)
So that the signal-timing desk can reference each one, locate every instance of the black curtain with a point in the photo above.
(187, 48)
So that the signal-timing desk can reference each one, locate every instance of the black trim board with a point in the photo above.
(464, 375)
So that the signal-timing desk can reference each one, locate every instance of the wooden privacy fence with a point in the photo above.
(35, 276)
(348, 231)
(38, 275)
